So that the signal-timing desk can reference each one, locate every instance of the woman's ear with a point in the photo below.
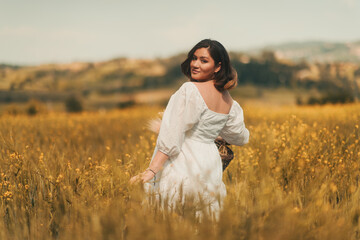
(218, 67)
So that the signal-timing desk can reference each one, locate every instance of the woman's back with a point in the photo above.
(215, 100)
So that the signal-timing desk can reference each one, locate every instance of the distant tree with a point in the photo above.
(126, 104)
(313, 100)
(34, 107)
(338, 97)
(73, 104)
(332, 97)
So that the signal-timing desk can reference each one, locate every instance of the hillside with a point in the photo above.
(315, 51)
(125, 79)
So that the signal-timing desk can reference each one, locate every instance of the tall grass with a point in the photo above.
(66, 177)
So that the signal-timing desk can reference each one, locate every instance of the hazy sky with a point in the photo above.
(40, 31)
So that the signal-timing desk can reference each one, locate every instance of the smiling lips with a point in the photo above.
(194, 71)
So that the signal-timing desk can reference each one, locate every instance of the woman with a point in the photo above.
(186, 162)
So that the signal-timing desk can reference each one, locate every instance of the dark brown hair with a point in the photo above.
(226, 77)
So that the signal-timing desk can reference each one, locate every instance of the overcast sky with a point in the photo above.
(41, 31)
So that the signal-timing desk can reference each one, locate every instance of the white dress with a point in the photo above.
(187, 133)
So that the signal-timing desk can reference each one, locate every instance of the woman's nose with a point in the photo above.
(195, 63)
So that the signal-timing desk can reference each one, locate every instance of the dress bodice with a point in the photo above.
(187, 116)
(210, 123)
(208, 128)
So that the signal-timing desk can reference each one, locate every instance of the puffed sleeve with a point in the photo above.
(235, 132)
(182, 112)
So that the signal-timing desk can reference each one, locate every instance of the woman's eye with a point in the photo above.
(204, 61)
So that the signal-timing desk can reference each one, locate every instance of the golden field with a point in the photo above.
(66, 176)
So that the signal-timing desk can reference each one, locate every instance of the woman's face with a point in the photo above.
(202, 65)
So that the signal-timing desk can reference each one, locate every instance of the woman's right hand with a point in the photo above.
(144, 177)
(156, 165)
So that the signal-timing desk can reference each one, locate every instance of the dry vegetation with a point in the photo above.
(66, 177)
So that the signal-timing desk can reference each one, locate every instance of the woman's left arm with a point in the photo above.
(181, 114)
(155, 166)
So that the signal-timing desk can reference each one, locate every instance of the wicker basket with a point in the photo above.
(226, 153)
